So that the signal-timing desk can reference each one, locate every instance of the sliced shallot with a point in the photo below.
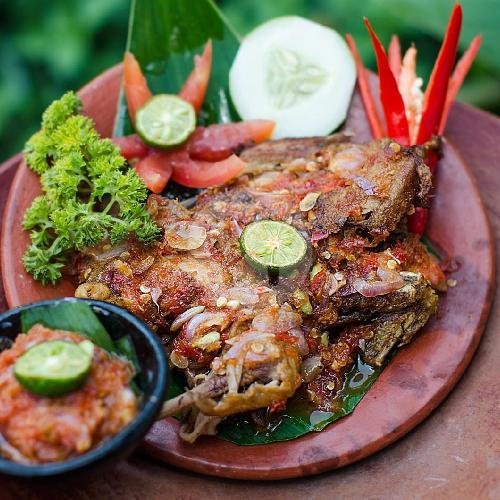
(311, 368)
(390, 282)
(302, 345)
(185, 316)
(185, 235)
(245, 295)
(201, 322)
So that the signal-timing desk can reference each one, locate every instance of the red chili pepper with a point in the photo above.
(365, 90)
(458, 77)
(431, 160)
(418, 220)
(435, 94)
(394, 53)
(392, 102)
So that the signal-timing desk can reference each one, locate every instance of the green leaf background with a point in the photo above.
(165, 47)
(47, 48)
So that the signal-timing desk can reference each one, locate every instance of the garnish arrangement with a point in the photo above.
(90, 194)
(280, 262)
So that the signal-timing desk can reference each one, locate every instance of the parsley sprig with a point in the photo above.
(90, 193)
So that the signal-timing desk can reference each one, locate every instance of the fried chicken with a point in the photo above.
(240, 339)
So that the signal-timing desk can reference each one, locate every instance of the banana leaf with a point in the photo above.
(299, 418)
(71, 316)
(125, 346)
(164, 36)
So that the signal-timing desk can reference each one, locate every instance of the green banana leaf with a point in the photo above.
(164, 36)
(71, 316)
(299, 418)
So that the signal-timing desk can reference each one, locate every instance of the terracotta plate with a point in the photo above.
(413, 384)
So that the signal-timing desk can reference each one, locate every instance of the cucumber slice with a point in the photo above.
(165, 120)
(296, 72)
(273, 247)
(54, 367)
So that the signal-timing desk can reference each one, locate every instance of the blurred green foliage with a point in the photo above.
(49, 47)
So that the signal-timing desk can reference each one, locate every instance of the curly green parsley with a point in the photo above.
(90, 194)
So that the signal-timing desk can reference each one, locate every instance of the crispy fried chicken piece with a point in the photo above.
(397, 329)
(280, 152)
(374, 339)
(370, 187)
(357, 282)
(356, 307)
(179, 278)
(383, 181)
(256, 368)
(162, 281)
(225, 323)
(396, 326)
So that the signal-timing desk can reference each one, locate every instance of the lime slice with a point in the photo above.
(165, 120)
(272, 246)
(87, 347)
(55, 367)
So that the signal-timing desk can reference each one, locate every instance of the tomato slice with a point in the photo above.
(195, 87)
(203, 174)
(155, 171)
(217, 142)
(131, 146)
(136, 87)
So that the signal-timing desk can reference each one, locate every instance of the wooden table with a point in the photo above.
(454, 454)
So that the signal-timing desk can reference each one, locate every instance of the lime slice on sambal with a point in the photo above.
(54, 367)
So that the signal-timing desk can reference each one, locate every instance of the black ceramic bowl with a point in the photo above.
(152, 380)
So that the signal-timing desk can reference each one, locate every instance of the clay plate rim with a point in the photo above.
(413, 384)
